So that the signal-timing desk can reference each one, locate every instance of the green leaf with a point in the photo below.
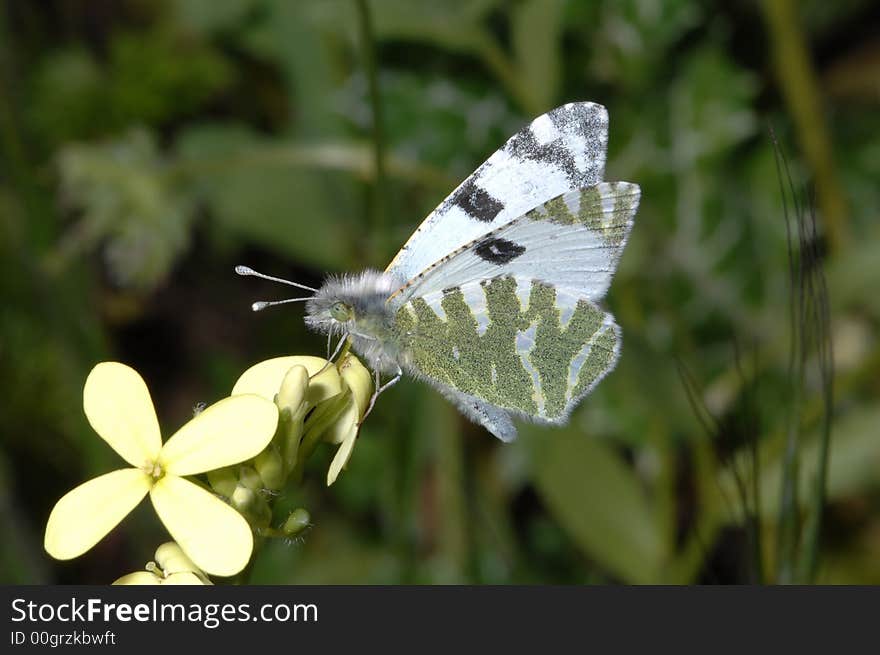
(599, 501)
(711, 106)
(138, 215)
(267, 194)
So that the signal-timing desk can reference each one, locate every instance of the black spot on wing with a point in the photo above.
(498, 251)
(477, 202)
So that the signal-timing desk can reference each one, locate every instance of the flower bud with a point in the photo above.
(358, 382)
(293, 389)
(249, 478)
(252, 506)
(223, 481)
(242, 498)
(270, 468)
(359, 379)
(171, 559)
(324, 385)
(298, 521)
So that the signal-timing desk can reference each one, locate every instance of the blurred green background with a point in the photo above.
(148, 147)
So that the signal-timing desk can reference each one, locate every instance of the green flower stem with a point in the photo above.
(365, 26)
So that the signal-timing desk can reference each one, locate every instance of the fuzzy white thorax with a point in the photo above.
(371, 322)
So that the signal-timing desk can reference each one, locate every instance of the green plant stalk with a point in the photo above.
(754, 529)
(801, 92)
(378, 208)
(753, 512)
(453, 536)
(810, 326)
(813, 528)
(820, 313)
(37, 232)
(686, 563)
(499, 64)
(788, 528)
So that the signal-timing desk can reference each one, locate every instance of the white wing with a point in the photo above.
(573, 242)
(560, 151)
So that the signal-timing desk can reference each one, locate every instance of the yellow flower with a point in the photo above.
(265, 378)
(172, 566)
(119, 408)
(349, 382)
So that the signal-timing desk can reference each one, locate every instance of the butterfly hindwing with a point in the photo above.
(508, 346)
(560, 151)
(494, 419)
(572, 242)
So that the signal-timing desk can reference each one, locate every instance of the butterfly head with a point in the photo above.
(350, 304)
(341, 312)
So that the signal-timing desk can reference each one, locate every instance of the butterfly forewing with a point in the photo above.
(560, 151)
(572, 242)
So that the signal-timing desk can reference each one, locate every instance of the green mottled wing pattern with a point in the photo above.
(514, 343)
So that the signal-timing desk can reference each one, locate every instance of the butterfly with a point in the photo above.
(493, 300)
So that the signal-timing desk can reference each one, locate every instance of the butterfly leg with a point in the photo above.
(379, 388)
(330, 357)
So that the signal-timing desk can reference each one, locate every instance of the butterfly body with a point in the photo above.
(493, 300)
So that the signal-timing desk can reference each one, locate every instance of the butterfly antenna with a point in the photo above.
(247, 271)
(262, 304)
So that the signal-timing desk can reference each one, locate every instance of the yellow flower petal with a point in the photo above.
(119, 408)
(264, 379)
(230, 431)
(341, 427)
(88, 512)
(343, 454)
(139, 578)
(212, 534)
(359, 380)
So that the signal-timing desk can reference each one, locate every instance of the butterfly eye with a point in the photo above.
(340, 312)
